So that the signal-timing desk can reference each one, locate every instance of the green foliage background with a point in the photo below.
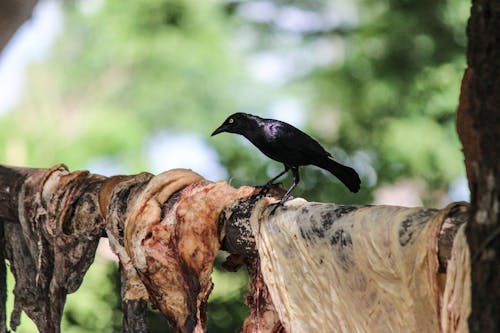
(134, 67)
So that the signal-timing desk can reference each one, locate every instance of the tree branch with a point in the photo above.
(167, 230)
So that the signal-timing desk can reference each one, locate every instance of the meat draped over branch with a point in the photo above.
(314, 267)
(361, 269)
(167, 239)
(53, 241)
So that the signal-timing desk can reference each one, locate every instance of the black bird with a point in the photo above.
(286, 144)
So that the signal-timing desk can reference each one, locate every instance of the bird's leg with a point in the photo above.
(284, 198)
(296, 179)
(270, 183)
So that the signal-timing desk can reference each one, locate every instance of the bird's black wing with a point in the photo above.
(301, 149)
(291, 146)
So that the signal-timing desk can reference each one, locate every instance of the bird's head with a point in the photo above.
(236, 123)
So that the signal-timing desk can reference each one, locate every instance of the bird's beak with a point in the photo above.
(221, 129)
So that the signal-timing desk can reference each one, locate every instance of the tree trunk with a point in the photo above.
(13, 13)
(478, 125)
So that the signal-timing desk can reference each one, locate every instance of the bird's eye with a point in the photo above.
(231, 120)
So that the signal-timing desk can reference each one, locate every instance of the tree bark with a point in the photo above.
(478, 126)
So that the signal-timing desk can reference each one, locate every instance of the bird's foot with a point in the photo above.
(263, 191)
(267, 187)
(276, 205)
(281, 203)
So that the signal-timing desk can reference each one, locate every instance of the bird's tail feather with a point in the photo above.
(345, 174)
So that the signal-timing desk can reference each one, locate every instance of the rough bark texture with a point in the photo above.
(478, 125)
(13, 13)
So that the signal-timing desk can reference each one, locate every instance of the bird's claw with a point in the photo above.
(267, 187)
(276, 205)
(263, 191)
(280, 203)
